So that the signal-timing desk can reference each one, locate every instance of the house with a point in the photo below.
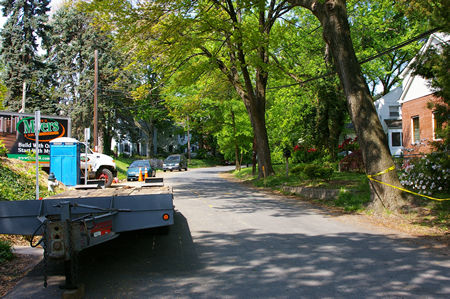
(418, 122)
(390, 115)
(171, 140)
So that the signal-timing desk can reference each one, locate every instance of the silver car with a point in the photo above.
(175, 162)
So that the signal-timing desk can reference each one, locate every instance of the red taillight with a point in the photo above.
(166, 217)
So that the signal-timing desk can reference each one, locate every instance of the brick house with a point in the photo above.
(418, 122)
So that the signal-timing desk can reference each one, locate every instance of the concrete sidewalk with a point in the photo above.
(28, 250)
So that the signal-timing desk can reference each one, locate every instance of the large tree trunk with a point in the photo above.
(256, 110)
(372, 139)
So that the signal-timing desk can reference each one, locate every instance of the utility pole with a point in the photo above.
(95, 100)
(24, 96)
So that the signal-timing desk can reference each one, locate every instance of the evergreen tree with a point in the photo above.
(25, 28)
(74, 41)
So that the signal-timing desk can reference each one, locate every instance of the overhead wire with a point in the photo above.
(370, 58)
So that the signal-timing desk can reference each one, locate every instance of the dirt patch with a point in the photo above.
(13, 271)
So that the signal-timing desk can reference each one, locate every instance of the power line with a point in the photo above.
(370, 58)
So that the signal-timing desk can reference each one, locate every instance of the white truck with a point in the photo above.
(99, 166)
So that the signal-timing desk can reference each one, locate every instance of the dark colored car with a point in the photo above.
(175, 162)
(133, 169)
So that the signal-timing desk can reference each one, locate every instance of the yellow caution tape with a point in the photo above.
(381, 172)
(370, 176)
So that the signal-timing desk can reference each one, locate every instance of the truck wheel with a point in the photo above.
(106, 175)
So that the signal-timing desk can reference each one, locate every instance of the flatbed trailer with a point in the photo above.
(77, 219)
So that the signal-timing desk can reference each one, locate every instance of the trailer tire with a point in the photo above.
(106, 174)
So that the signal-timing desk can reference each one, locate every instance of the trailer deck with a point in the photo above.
(77, 219)
(133, 207)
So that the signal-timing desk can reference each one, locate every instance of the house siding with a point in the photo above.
(418, 108)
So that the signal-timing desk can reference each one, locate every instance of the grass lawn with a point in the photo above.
(345, 181)
(122, 164)
(425, 212)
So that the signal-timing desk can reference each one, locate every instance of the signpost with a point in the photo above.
(37, 127)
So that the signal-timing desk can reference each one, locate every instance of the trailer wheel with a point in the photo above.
(106, 175)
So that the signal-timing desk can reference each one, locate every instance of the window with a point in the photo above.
(394, 111)
(396, 139)
(416, 129)
(437, 127)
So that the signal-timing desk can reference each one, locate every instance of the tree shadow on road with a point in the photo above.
(247, 264)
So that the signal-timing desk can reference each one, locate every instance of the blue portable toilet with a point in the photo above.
(65, 160)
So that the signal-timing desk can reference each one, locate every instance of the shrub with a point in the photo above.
(316, 171)
(297, 169)
(5, 251)
(427, 175)
(3, 149)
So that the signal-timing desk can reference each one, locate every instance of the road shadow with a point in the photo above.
(135, 254)
(246, 264)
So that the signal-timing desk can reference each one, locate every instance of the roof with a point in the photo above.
(415, 86)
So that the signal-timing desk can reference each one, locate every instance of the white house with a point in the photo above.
(390, 115)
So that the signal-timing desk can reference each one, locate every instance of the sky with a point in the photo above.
(54, 5)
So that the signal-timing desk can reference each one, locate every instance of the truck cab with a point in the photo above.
(99, 166)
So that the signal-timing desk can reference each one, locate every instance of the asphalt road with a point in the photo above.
(234, 242)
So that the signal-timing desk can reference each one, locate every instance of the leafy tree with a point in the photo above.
(235, 137)
(434, 12)
(331, 115)
(150, 114)
(290, 118)
(26, 27)
(375, 151)
(231, 36)
(377, 26)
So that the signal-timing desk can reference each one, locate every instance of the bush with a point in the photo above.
(3, 149)
(298, 169)
(314, 171)
(5, 251)
(427, 175)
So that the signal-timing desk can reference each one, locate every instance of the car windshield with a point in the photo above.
(173, 159)
(140, 164)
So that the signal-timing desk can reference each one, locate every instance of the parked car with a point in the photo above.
(133, 169)
(175, 162)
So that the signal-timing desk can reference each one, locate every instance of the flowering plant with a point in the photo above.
(305, 154)
(427, 175)
(349, 144)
